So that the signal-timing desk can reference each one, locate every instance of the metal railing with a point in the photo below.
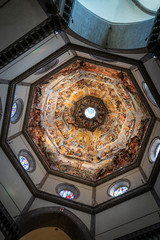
(7, 225)
(54, 23)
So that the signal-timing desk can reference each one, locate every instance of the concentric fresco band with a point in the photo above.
(89, 112)
(88, 147)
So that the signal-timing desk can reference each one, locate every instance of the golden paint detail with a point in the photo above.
(75, 150)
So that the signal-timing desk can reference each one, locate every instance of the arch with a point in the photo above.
(50, 217)
(48, 233)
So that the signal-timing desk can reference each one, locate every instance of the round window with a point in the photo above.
(16, 111)
(149, 94)
(47, 67)
(154, 149)
(14, 108)
(26, 160)
(90, 112)
(67, 191)
(118, 188)
(66, 194)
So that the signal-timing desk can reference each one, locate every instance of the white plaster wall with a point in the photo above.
(127, 217)
(152, 5)
(21, 92)
(146, 165)
(14, 193)
(8, 202)
(138, 76)
(20, 143)
(3, 95)
(85, 191)
(117, 11)
(61, 59)
(153, 68)
(134, 176)
(157, 185)
(32, 57)
(116, 63)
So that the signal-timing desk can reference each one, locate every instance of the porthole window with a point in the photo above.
(154, 149)
(16, 111)
(14, 108)
(118, 188)
(67, 191)
(26, 160)
(149, 94)
(47, 67)
(120, 191)
(66, 194)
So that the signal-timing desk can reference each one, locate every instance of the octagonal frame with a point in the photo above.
(26, 178)
(114, 174)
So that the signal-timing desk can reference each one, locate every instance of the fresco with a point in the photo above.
(73, 148)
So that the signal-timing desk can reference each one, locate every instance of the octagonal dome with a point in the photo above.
(89, 148)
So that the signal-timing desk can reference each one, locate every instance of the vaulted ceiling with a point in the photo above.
(57, 81)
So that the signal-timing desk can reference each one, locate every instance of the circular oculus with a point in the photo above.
(27, 161)
(24, 162)
(119, 188)
(154, 149)
(90, 112)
